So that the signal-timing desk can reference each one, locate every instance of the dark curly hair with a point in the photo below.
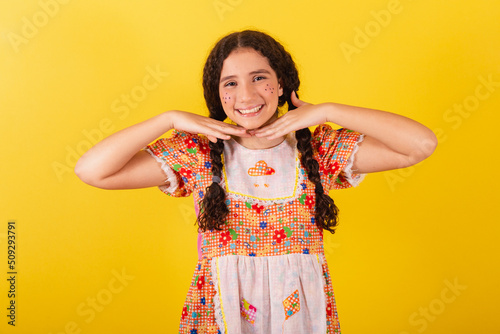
(213, 210)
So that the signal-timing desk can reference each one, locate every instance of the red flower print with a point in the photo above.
(190, 143)
(334, 168)
(184, 312)
(258, 208)
(321, 150)
(309, 201)
(330, 170)
(329, 309)
(225, 237)
(204, 148)
(201, 282)
(279, 235)
(185, 172)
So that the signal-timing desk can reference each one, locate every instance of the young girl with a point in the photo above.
(260, 185)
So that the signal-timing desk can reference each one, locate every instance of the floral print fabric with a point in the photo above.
(255, 228)
(286, 292)
(262, 176)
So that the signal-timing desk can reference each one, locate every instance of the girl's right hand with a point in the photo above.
(213, 129)
(119, 161)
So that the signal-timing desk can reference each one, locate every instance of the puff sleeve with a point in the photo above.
(183, 158)
(335, 152)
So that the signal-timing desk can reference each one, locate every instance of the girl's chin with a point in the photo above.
(256, 123)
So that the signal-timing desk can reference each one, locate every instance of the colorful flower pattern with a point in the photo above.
(254, 229)
(248, 311)
(291, 304)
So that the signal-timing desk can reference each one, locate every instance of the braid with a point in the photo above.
(214, 209)
(326, 213)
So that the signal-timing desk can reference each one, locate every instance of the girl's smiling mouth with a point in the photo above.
(251, 111)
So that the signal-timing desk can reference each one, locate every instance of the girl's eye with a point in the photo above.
(259, 78)
(231, 83)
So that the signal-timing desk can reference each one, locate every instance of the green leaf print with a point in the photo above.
(248, 204)
(288, 231)
(302, 199)
(177, 167)
(233, 233)
(191, 150)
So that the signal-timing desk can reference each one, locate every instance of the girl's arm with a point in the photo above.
(118, 161)
(391, 141)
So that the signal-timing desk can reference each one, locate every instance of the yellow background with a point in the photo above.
(405, 236)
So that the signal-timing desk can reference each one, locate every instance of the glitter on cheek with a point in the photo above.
(226, 97)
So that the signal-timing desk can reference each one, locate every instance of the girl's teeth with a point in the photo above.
(249, 111)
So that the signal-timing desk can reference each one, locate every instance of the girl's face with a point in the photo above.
(249, 88)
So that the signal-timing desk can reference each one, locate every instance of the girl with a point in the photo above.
(261, 185)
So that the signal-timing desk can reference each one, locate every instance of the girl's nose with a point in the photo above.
(246, 93)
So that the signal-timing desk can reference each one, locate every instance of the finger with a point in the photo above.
(228, 128)
(295, 100)
(272, 132)
(223, 131)
(271, 128)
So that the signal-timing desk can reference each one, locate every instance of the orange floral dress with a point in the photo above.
(265, 272)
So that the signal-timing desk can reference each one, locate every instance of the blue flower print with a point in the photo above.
(194, 331)
(252, 254)
(263, 224)
(303, 185)
(200, 194)
(194, 139)
(208, 165)
(185, 179)
(202, 301)
(305, 251)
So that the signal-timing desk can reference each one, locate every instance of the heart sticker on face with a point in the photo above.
(261, 169)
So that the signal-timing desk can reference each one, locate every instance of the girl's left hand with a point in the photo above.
(304, 116)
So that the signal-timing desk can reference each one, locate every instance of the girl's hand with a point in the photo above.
(304, 116)
(213, 129)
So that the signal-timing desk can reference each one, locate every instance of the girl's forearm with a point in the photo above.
(112, 153)
(399, 133)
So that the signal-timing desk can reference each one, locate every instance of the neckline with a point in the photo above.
(287, 138)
